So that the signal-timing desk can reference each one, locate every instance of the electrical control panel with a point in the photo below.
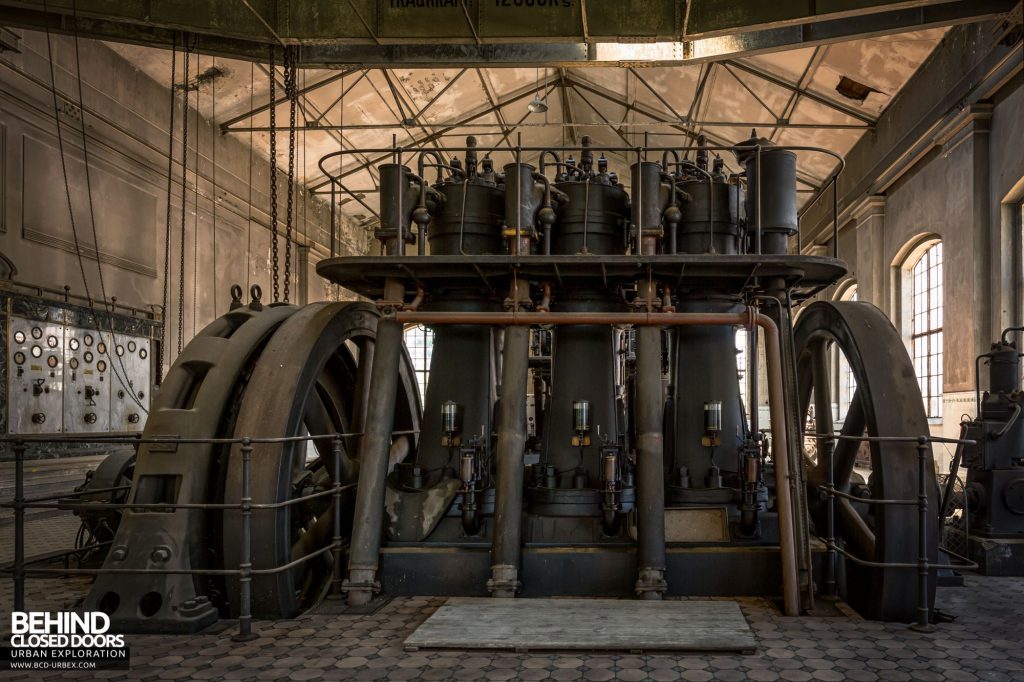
(130, 364)
(73, 370)
(35, 385)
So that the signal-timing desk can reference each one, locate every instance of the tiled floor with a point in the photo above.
(985, 642)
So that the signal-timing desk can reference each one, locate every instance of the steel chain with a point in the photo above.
(273, 177)
(291, 91)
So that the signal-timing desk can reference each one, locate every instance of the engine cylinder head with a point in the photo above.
(770, 194)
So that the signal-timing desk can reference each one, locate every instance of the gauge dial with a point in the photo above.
(87, 340)
(36, 351)
(119, 350)
(73, 344)
(143, 353)
(101, 348)
(102, 365)
(52, 341)
(131, 346)
(88, 356)
(37, 333)
(19, 336)
(19, 358)
(52, 361)
(73, 363)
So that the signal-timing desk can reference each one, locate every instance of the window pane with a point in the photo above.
(926, 326)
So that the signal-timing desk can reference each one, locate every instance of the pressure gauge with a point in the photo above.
(73, 363)
(73, 344)
(87, 340)
(37, 333)
(88, 356)
(19, 358)
(51, 341)
(101, 366)
(52, 361)
(19, 336)
(143, 353)
(119, 350)
(36, 351)
(101, 348)
(131, 346)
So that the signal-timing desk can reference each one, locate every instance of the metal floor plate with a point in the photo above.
(585, 624)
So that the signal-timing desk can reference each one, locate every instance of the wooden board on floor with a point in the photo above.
(585, 624)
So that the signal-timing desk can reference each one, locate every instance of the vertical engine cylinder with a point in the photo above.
(705, 373)
(593, 220)
(468, 220)
(772, 194)
(711, 220)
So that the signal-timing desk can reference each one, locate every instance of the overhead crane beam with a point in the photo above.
(366, 33)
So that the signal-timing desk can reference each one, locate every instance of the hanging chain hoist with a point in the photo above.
(291, 92)
(273, 178)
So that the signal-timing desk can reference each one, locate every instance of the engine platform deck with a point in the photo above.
(737, 274)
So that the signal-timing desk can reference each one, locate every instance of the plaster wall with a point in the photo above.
(966, 192)
(126, 116)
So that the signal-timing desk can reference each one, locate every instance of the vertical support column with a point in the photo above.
(508, 504)
(364, 559)
(336, 540)
(650, 498)
(924, 457)
(245, 632)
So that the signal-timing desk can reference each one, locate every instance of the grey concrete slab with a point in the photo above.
(585, 624)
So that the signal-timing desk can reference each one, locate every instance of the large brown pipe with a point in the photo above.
(650, 465)
(508, 502)
(364, 559)
(776, 394)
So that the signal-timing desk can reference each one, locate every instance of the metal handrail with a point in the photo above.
(245, 505)
(923, 565)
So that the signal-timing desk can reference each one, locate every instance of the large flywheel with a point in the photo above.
(885, 401)
(312, 378)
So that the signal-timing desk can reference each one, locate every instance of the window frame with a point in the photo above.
(925, 318)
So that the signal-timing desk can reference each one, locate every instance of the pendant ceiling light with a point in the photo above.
(537, 105)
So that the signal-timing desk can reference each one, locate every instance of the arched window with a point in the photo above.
(926, 326)
(420, 342)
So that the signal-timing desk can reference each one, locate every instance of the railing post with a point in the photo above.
(19, 525)
(831, 558)
(245, 567)
(337, 576)
(923, 623)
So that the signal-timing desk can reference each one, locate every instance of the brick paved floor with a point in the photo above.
(986, 642)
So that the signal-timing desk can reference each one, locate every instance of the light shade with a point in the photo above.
(537, 105)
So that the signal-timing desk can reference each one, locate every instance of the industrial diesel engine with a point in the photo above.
(585, 429)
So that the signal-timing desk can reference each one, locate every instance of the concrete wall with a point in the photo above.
(965, 191)
(226, 235)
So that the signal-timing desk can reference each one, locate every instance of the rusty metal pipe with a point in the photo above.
(776, 394)
(508, 503)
